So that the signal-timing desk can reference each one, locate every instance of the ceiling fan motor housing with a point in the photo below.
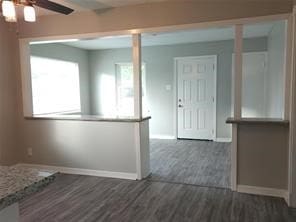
(46, 4)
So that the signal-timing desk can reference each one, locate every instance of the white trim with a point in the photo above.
(215, 57)
(172, 137)
(163, 137)
(79, 171)
(138, 150)
(265, 191)
(223, 140)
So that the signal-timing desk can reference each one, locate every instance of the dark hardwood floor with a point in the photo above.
(203, 163)
(72, 198)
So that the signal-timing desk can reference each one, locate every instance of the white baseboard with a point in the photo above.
(87, 172)
(263, 191)
(163, 137)
(170, 137)
(223, 140)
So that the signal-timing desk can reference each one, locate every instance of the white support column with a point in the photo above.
(292, 142)
(137, 75)
(237, 81)
(138, 151)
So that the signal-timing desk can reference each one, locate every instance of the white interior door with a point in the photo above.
(196, 78)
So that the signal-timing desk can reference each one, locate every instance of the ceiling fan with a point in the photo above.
(9, 12)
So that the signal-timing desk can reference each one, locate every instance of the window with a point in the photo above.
(55, 86)
(125, 90)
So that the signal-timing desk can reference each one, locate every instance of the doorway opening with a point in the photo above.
(188, 84)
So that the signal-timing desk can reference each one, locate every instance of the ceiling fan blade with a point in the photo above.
(53, 7)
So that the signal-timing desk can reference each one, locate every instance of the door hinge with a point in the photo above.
(214, 67)
(213, 131)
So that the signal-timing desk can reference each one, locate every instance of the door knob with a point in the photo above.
(180, 106)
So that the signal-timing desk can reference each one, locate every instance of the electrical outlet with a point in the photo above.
(30, 151)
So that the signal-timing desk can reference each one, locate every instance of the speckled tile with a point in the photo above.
(17, 182)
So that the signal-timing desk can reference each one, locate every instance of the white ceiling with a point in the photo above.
(181, 37)
(87, 5)
(84, 5)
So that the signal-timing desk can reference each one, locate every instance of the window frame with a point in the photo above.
(118, 80)
(60, 112)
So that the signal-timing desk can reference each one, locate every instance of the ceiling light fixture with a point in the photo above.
(10, 19)
(8, 11)
(29, 13)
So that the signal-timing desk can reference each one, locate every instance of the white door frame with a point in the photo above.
(175, 92)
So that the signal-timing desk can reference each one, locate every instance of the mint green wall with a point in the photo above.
(102, 74)
(275, 78)
(159, 62)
